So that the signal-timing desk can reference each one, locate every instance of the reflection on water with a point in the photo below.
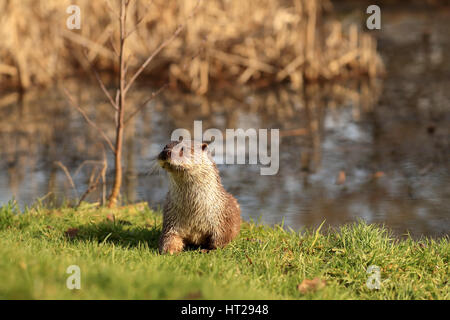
(372, 150)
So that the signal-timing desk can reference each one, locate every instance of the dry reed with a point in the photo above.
(265, 41)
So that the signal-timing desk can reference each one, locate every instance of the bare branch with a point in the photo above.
(88, 120)
(111, 9)
(111, 42)
(102, 85)
(92, 185)
(103, 174)
(117, 96)
(116, 115)
(159, 49)
(69, 177)
(87, 43)
(127, 63)
(85, 162)
(154, 94)
(150, 58)
(140, 20)
(123, 18)
(100, 82)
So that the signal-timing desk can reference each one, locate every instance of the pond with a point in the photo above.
(374, 150)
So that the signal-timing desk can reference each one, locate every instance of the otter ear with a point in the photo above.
(204, 146)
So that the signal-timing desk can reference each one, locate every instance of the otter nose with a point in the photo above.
(165, 155)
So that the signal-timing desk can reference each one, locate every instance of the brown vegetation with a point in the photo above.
(266, 41)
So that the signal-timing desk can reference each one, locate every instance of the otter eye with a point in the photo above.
(181, 152)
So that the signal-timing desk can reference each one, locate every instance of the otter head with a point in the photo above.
(185, 157)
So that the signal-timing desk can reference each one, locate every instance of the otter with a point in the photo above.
(198, 211)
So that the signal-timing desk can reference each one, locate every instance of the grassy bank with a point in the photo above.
(117, 255)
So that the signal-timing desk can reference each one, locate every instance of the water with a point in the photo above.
(391, 138)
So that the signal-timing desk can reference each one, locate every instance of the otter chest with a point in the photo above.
(196, 211)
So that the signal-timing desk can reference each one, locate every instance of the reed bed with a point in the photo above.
(260, 41)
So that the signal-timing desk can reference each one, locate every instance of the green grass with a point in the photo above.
(119, 260)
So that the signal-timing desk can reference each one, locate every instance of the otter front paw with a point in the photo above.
(171, 243)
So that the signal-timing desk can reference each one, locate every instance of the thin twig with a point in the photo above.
(38, 200)
(158, 50)
(100, 82)
(69, 177)
(85, 42)
(111, 9)
(91, 186)
(117, 96)
(140, 20)
(127, 63)
(111, 42)
(154, 94)
(96, 162)
(103, 175)
(92, 123)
